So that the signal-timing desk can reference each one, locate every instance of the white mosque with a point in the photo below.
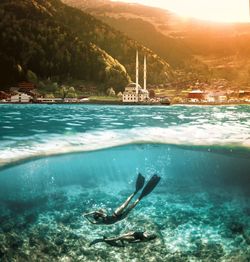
(134, 93)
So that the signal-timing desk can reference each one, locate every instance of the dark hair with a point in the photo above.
(151, 236)
(98, 214)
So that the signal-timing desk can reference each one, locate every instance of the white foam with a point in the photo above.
(186, 134)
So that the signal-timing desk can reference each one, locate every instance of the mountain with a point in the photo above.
(59, 42)
(140, 23)
(210, 50)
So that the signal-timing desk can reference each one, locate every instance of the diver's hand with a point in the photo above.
(90, 220)
(89, 213)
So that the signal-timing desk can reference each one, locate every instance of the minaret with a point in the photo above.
(145, 73)
(137, 74)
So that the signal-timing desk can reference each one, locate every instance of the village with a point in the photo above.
(26, 92)
(218, 91)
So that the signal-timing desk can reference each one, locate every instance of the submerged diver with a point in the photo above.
(101, 217)
(131, 237)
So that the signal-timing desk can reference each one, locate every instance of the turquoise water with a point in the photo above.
(59, 161)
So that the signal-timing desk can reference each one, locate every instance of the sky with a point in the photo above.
(213, 10)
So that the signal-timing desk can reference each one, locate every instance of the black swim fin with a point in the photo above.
(152, 183)
(97, 241)
(139, 182)
(114, 243)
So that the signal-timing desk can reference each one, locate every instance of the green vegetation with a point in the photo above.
(200, 50)
(104, 98)
(47, 41)
(172, 50)
(33, 38)
(141, 23)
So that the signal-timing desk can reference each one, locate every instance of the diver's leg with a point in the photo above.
(120, 209)
(114, 243)
(132, 206)
(125, 236)
(139, 184)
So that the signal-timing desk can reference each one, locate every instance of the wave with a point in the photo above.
(207, 135)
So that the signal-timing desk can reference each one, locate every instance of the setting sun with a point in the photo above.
(213, 10)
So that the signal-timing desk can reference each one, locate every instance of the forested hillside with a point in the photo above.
(137, 22)
(204, 49)
(56, 41)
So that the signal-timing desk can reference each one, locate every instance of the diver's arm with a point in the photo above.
(91, 221)
(89, 213)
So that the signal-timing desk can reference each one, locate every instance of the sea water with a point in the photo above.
(59, 161)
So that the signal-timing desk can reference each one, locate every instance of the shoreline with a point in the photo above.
(118, 103)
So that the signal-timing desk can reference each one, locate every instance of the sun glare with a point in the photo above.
(213, 10)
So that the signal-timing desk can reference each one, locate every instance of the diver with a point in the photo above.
(131, 237)
(101, 217)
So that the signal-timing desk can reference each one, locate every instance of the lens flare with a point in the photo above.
(213, 10)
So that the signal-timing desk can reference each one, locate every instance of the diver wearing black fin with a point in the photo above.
(131, 237)
(101, 217)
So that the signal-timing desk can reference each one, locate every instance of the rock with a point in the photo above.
(50, 249)
(64, 249)
(66, 219)
(33, 241)
(15, 241)
(72, 235)
(209, 251)
(3, 250)
(7, 227)
(31, 218)
(59, 241)
(236, 228)
(246, 236)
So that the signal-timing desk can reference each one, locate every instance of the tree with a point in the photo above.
(110, 91)
(32, 77)
(151, 93)
(71, 92)
(64, 92)
(119, 95)
(49, 96)
(67, 91)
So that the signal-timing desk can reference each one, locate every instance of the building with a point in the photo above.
(4, 96)
(196, 96)
(130, 95)
(134, 93)
(83, 99)
(70, 100)
(244, 94)
(25, 86)
(210, 98)
(49, 100)
(216, 97)
(20, 98)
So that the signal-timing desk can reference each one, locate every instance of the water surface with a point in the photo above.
(58, 161)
